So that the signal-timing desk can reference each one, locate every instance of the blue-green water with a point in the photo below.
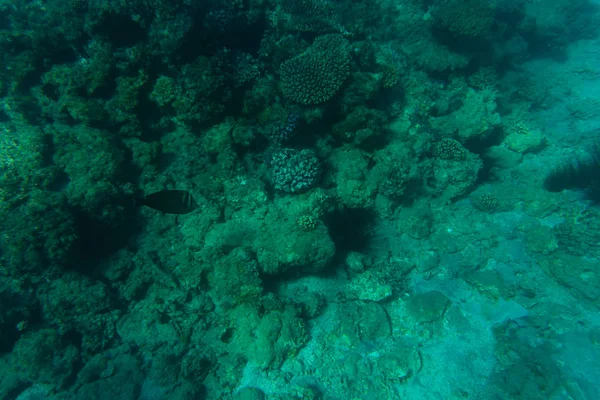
(300, 199)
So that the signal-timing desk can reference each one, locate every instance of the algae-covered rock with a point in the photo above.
(275, 238)
(351, 166)
(44, 356)
(83, 306)
(249, 393)
(362, 321)
(281, 250)
(369, 287)
(581, 276)
(476, 119)
(267, 340)
(116, 374)
(452, 178)
(525, 142)
(400, 364)
(579, 234)
(236, 280)
(428, 307)
(488, 282)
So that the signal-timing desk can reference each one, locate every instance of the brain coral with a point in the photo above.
(316, 75)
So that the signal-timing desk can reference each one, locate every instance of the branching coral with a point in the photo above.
(316, 75)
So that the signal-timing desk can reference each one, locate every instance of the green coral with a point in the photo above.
(307, 223)
(38, 235)
(316, 75)
(450, 149)
(246, 69)
(466, 17)
(125, 102)
(164, 91)
(22, 150)
(202, 90)
(38, 232)
(390, 75)
(71, 91)
(362, 125)
(92, 161)
(486, 202)
(308, 16)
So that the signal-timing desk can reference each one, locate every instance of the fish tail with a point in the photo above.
(138, 202)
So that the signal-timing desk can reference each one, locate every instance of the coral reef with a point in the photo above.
(316, 75)
(370, 218)
(294, 170)
(466, 18)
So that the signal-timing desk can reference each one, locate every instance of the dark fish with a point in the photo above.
(170, 201)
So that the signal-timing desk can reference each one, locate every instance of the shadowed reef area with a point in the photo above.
(299, 199)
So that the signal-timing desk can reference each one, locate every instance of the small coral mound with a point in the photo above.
(466, 17)
(307, 223)
(450, 149)
(294, 170)
(316, 75)
(486, 202)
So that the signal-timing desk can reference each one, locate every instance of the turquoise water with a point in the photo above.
(300, 199)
